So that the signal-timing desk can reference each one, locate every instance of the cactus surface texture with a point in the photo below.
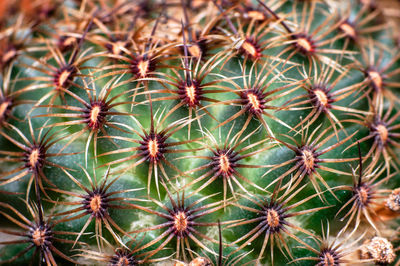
(199, 132)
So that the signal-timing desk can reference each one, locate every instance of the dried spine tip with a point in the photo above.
(256, 15)
(153, 147)
(224, 163)
(123, 262)
(67, 42)
(41, 235)
(142, 67)
(363, 195)
(274, 215)
(348, 30)
(95, 204)
(116, 48)
(382, 131)
(35, 158)
(180, 222)
(224, 160)
(190, 93)
(96, 114)
(254, 100)
(320, 98)
(5, 109)
(369, 3)
(123, 258)
(8, 56)
(379, 249)
(273, 218)
(4, 105)
(200, 261)
(195, 50)
(308, 158)
(304, 44)
(393, 201)
(375, 78)
(328, 257)
(64, 76)
(250, 48)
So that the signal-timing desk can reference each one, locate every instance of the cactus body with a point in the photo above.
(199, 132)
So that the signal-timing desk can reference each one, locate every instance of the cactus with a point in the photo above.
(199, 132)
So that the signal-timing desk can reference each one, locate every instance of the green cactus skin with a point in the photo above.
(198, 133)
